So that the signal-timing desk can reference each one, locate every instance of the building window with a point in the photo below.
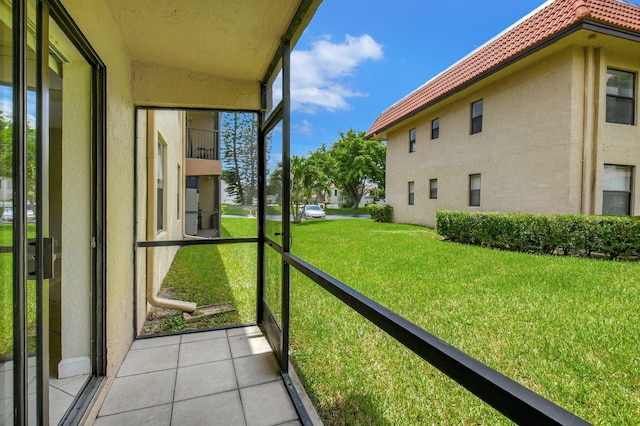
(412, 140)
(476, 117)
(616, 185)
(160, 161)
(474, 190)
(433, 189)
(435, 128)
(411, 193)
(620, 96)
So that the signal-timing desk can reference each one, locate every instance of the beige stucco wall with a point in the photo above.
(174, 87)
(199, 167)
(141, 219)
(619, 143)
(76, 212)
(531, 152)
(152, 264)
(96, 23)
(168, 126)
(523, 134)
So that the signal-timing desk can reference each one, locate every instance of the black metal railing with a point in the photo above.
(203, 144)
(513, 400)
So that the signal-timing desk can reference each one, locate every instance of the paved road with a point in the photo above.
(329, 216)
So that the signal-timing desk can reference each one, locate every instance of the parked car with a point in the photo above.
(7, 215)
(312, 211)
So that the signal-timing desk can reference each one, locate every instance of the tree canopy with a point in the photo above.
(357, 161)
(351, 163)
(307, 177)
(239, 133)
(6, 154)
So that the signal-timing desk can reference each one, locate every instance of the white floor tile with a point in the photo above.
(267, 404)
(256, 369)
(203, 351)
(150, 359)
(223, 409)
(156, 416)
(139, 391)
(205, 379)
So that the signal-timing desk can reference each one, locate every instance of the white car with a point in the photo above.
(7, 215)
(312, 211)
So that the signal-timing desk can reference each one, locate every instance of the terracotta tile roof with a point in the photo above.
(550, 19)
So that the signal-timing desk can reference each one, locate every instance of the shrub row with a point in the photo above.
(380, 212)
(611, 236)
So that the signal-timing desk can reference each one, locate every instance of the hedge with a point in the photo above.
(611, 236)
(380, 212)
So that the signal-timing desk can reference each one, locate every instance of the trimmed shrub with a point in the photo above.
(380, 212)
(611, 236)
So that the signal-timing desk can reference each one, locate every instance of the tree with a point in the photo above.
(6, 155)
(322, 166)
(306, 177)
(377, 193)
(239, 133)
(357, 161)
(274, 183)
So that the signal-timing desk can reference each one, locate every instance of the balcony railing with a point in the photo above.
(513, 400)
(203, 144)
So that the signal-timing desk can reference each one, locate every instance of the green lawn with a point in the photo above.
(215, 274)
(6, 294)
(348, 211)
(567, 328)
(235, 210)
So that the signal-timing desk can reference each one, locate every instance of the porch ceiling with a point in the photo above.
(231, 39)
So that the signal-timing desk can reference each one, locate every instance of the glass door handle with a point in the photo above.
(48, 258)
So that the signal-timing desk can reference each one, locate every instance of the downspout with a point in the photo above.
(152, 297)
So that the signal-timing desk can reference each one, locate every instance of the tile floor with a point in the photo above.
(62, 392)
(221, 377)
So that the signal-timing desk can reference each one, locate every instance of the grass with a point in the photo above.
(236, 210)
(6, 295)
(566, 328)
(347, 211)
(214, 274)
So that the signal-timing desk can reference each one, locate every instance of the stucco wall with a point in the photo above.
(141, 219)
(96, 23)
(76, 213)
(152, 264)
(619, 143)
(174, 87)
(169, 126)
(522, 153)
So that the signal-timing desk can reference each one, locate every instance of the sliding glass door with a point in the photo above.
(49, 193)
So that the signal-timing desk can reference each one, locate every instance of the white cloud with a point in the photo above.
(303, 128)
(319, 77)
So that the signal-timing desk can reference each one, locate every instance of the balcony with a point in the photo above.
(202, 144)
(202, 157)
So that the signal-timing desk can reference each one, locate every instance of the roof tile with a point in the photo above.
(541, 25)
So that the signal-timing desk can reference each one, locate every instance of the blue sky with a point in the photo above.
(356, 58)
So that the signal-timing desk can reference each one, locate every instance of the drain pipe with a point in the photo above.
(152, 297)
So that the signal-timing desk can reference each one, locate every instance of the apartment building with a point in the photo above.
(540, 119)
